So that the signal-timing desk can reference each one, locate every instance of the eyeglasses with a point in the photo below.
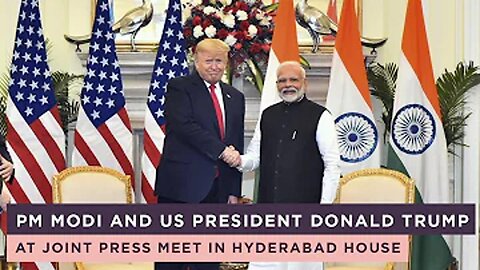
(285, 80)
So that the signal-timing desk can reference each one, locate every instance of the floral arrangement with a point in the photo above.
(245, 25)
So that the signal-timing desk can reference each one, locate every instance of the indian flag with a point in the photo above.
(417, 141)
(284, 48)
(349, 98)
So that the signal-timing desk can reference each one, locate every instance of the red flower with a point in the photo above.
(244, 6)
(252, 14)
(222, 33)
(244, 25)
(240, 35)
(246, 46)
(196, 20)
(238, 46)
(259, 31)
(187, 31)
(266, 47)
(206, 23)
(241, 5)
(255, 48)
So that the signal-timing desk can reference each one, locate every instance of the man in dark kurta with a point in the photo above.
(295, 147)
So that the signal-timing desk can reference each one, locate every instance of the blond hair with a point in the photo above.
(212, 45)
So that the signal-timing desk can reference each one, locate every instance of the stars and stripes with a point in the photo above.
(171, 61)
(35, 136)
(103, 135)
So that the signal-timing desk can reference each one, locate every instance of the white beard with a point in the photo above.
(291, 98)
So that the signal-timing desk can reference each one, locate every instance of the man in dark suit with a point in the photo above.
(204, 128)
(6, 173)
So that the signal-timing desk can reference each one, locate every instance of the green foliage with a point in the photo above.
(67, 107)
(383, 82)
(452, 93)
(4, 82)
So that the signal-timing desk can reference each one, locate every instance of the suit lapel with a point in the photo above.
(227, 104)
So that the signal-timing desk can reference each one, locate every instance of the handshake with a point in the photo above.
(231, 156)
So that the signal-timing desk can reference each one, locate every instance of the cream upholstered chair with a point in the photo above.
(91, 184)
(374, 186)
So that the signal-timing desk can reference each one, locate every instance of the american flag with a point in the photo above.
(35, 136)
(171, 62)
(103, 135)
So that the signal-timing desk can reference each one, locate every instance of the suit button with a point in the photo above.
(283, 125)
(276, 172)
(280, 141)
(278, 155)
(275, 188)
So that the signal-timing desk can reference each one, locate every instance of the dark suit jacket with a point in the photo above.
(192, 144)
(4, 152)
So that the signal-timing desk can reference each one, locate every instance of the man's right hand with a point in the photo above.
(6, 168)
(231, 156)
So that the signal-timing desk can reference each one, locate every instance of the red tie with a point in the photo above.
(218, 111)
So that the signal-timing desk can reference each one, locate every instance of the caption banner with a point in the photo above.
(202, 232)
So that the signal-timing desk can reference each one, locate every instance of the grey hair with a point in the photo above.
(292, 64)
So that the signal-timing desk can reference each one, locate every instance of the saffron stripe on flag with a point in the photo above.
(284, 48)
(416, 51)
(349, 49)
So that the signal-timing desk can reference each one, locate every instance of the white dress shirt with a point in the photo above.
(326, 138)
(218, 93)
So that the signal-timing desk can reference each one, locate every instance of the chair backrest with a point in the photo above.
(375, 186)
(91, 184)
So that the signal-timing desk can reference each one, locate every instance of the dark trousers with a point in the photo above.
(212, 197)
